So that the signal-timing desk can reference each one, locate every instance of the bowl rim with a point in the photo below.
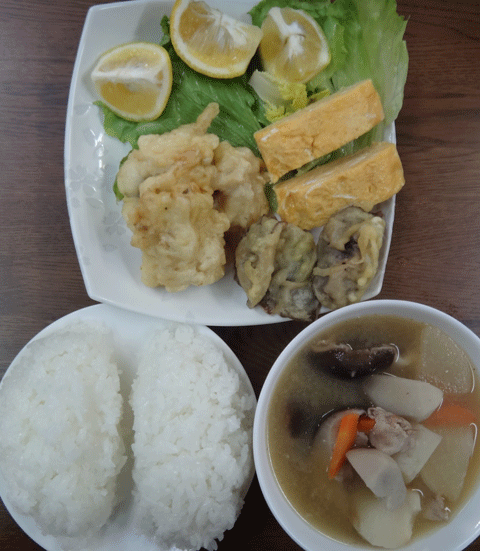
(456, 534)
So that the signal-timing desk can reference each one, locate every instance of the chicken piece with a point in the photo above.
(179, 232)
(187, 145)
(391, 433)
(435, 509)
(239, 185)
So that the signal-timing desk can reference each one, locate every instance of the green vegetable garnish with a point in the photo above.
(241, 113)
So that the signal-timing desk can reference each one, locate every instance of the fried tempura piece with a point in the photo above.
(255, 258)
(240, 184)
(182, 193)
(348, 251)
(187, 145)
(274, 263)
(179, 232)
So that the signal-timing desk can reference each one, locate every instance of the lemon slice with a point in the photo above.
(134, 80)
(293, 46)
(211, 42)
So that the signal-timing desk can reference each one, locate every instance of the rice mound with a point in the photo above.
(193, 418)
(60, 449)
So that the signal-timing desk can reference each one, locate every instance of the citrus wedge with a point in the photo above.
(134, 80)
(210, 41)
(293, 47)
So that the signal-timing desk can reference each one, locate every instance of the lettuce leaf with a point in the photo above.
(241, 113)
(376, 50)
(366, 41)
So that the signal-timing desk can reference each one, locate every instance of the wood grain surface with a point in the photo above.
(435, 251)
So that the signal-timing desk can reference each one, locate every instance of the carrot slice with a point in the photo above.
(347, 432)
(365, 424)
(451, 414)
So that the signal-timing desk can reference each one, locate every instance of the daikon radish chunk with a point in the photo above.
(381, 474)
(444, 363)
(445, 471)
(406, 397)
(382, 527)
(423, 443)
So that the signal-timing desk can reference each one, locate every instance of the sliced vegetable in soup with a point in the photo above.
(365, 429)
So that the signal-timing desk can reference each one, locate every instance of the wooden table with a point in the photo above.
(435, 252)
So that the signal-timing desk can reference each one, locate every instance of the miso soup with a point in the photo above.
(435, 452)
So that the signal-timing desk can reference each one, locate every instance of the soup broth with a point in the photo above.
(305, 396)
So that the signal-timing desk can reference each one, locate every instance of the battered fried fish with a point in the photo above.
(187, 146)
(239, 185)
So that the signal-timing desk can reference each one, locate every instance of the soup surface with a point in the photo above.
(306, 395)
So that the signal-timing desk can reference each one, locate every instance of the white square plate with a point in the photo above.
(110, 265)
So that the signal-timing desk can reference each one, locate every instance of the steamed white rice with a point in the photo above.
(193, 419)
(60, 449)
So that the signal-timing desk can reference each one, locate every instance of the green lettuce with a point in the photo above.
(376, 50)
(241, 113)
(366, 40)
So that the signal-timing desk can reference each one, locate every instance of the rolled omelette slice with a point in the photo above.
(319, 128)
(365, 178)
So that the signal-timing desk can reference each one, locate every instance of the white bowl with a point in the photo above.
(455, 535)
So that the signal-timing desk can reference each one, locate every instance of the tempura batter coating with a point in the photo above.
(348, 253)
(187, 145)
(240, 181)
(255, 258)
(179, 233)
(182, 191)
(274, 263)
